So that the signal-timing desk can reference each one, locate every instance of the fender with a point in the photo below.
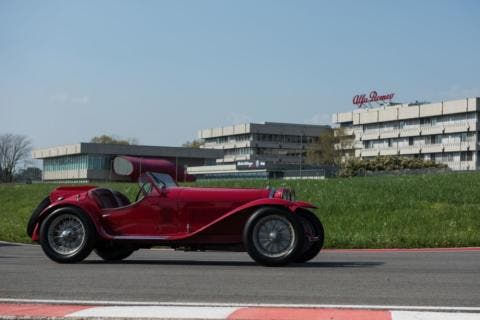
(291, 206)
(88, 207)
(58, 194)
(65, 192)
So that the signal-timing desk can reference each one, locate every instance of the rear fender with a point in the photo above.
(65, 192)
(87, 208)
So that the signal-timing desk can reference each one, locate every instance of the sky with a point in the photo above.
(159, 71)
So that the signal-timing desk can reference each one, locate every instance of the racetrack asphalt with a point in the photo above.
(410, 278)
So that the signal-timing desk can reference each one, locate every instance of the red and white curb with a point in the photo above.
(46, 309)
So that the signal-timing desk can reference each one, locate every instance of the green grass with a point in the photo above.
(440, 210)
(17, 201)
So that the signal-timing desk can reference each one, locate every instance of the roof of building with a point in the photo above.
(266, 127)
(406, 111)
(133, 150)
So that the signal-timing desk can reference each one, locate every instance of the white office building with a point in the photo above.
(445, 132)
(253, 149)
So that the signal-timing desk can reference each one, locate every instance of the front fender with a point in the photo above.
(291, 205)
(233, 221)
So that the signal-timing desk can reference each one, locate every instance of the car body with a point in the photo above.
(267, 223)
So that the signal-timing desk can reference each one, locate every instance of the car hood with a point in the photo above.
(216, 195)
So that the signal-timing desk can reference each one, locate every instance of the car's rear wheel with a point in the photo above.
(314, 236)
(67, 235)
(273, 237)
(113, 252)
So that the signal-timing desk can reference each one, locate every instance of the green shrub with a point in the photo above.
(356, 166)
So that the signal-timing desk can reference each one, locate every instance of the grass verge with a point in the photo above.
(440, 210)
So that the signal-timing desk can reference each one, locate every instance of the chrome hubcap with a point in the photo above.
(274, 236)
(66, 234)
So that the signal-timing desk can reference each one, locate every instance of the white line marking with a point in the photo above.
(18, 243)
(237, 305)
(155, 312)
(410, 315)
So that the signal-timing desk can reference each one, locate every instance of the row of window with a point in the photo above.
(464, 137)
(229, 139)
(281, 138)
(462, 118)
(445, 157)
(238, 151)
(284, 138)
(449, 156)
(76, 162)
(263, 151)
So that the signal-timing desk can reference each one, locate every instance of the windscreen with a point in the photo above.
(163, 180)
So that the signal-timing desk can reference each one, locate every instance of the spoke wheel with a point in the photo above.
(273, 236)
(67, 235)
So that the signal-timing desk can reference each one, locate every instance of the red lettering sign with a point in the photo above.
(361, 99)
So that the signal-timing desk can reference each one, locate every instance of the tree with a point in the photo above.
(330, 148)
(193, 144)
(322, 151)
(13, 149)
(29, 174)
(107, 139)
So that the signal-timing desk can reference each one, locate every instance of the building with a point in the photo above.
(255, 149)
(445, 132)
(86, 162)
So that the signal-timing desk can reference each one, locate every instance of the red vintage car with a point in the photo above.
(267, 223)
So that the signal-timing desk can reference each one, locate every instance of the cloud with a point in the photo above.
(319, 118)
(59, 97)
(80, 100)
(64, 97)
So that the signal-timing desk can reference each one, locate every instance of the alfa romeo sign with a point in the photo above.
(361, 99)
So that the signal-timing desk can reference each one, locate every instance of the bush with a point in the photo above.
(356, 166)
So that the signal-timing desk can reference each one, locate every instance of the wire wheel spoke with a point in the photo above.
(274, 236)
(66, 234)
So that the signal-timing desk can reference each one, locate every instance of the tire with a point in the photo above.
(67, 235)
(113, 252)
(273, 236)
(34, 217)
(314, 236)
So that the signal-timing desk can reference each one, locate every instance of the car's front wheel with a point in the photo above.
(273, 237)
(67, 235)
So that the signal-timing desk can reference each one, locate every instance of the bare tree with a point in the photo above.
(13, 149)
